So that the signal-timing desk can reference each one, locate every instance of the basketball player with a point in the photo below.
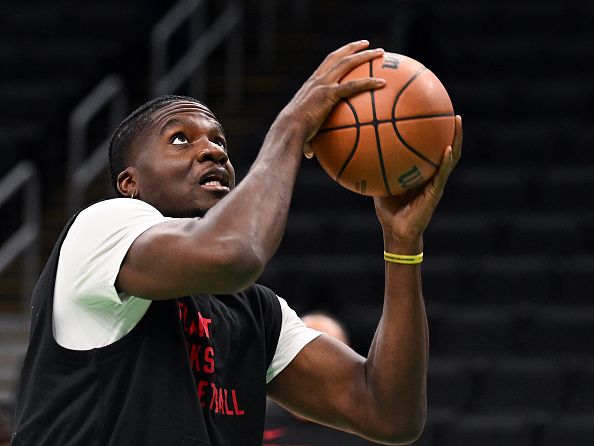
(147, 327)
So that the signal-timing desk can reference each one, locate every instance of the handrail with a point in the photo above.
(165, 80)
(27, 238)
(110, 92)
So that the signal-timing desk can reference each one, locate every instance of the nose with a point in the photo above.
(213, 152)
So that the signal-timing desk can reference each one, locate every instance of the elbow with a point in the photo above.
(402, 430)
(408, 433)
(240, 265)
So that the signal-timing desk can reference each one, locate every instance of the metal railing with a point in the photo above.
(26, 239)
(188, 69)
(111, 93)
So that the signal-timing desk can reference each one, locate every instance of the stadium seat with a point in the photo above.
(315, 191)
(361, 321)
(493, 189)
(563, 187)
(356, 234)
(444, 278)
(561, 332)
(574, 280)
(521, 385)
(488, 430)
(581, 394)
(305, 234)
(544, 233)
(511, 280)
(583, 145)
(476, 331)
(462, 233)
(570, 430)
(327, 282)
(449, 384)
(531, 143)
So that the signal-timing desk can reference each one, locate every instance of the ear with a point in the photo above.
(127, 185)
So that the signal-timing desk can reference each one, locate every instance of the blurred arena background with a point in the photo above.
(509, 268)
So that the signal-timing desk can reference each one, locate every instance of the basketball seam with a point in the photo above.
(398, 134)
(377, 135)
(355, 145)
(386, 121)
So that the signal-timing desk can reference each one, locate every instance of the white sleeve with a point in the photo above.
(294, 335)
(88, 312)
(96, 244)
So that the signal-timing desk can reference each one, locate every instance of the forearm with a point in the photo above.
(255, 212)
(397, 362)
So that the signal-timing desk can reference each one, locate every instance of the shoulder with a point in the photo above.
(116, 207)
(97, 242)
(112, 216)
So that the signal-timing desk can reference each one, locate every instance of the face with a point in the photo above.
(180, 164)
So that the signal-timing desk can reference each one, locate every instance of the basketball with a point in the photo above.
(387, 141)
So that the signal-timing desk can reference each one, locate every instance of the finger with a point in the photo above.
(357, 85)
(445, 168)
(457, 144)
(349, 48)
(344, 65)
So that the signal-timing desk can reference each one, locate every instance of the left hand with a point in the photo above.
(405, 217)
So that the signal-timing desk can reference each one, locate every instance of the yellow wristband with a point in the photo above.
(403, 259)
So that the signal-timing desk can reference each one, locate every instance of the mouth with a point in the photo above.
(215, 180)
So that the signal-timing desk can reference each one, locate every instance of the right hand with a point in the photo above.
(313, 102)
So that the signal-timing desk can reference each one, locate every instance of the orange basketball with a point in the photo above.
(386, 141)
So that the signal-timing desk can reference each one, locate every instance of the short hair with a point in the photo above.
(125, 135)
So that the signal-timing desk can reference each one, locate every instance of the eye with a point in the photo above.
(221, 142)
(179, 139)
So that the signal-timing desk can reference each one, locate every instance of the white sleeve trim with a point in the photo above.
(294, 335)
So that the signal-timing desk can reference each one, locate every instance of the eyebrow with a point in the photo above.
(174, 122)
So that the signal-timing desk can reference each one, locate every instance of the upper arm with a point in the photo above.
(124, 245)
(328, 382)
(325, 382)
(179, 257)
(186, 256)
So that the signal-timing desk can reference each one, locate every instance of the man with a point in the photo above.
(117, 357)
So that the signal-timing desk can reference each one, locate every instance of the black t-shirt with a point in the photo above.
(192, 372)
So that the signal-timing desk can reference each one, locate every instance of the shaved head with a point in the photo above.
(126, 135)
